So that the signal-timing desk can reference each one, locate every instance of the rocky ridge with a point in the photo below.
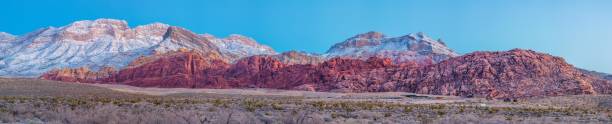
(412, 47)
(510, 74)
(110, 43)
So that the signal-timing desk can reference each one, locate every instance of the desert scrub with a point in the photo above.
(367, 105)
(3, 110)
(274, 110)
(220, 103)
(319, 105)
(252, 104)
(347, 107)
(492, 110)
(407, 109)
(277, 106)
(438, 106)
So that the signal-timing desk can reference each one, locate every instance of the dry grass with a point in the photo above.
(34, 101)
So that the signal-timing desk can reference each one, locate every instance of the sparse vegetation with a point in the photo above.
(107, 106)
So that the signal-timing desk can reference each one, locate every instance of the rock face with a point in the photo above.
(184, 68)
(511, 74)
(181, 68)
(516, 73)
(82, 74)
(412, 47)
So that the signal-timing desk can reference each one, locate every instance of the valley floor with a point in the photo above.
(40, 101)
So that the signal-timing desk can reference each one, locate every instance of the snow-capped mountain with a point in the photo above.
(106, 42)
(6, 41)
(299, 57)
(112, 43)
(5, 37)
(239, 46)
(412, 47)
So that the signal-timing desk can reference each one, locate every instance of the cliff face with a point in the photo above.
(516, 73)
(183, 69)
(510, 74)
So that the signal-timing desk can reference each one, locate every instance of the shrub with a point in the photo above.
(387, 114)
(277, 106)
(407, 109)
(252, 105)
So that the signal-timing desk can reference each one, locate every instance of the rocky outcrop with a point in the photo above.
(510, 74)
(82, 74)
(183, 68)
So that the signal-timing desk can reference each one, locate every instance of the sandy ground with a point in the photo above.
(396, 97)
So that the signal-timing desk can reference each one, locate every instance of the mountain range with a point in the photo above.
(159, 55)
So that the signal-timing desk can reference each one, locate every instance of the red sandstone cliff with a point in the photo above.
(81, 74)
(510, 74)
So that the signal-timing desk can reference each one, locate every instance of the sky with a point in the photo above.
(578, 30)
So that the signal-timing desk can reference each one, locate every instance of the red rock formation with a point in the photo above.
(516, 73)
(511, 74)
(178, 69)
(82, 74)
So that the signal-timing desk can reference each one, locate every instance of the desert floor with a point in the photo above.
(39, 101)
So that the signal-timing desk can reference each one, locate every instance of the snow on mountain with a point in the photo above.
(412, 47)
(112, 43)
(6, 41)
(299, 57)
(238, 45)
(97, 44)
(4, 37)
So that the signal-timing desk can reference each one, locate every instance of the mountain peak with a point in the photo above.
(415, 36)
(238, 37)
(421, 35)
(99, 23)
(207, 36)
(412, 47)
(240, 45)
(110, 21)
(87, 30)
(110, 42)
(369, 35)
(242, 39)
(371, 38)
(4, 35)
(155, 24)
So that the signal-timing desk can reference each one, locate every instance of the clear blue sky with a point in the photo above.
(578, 30)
